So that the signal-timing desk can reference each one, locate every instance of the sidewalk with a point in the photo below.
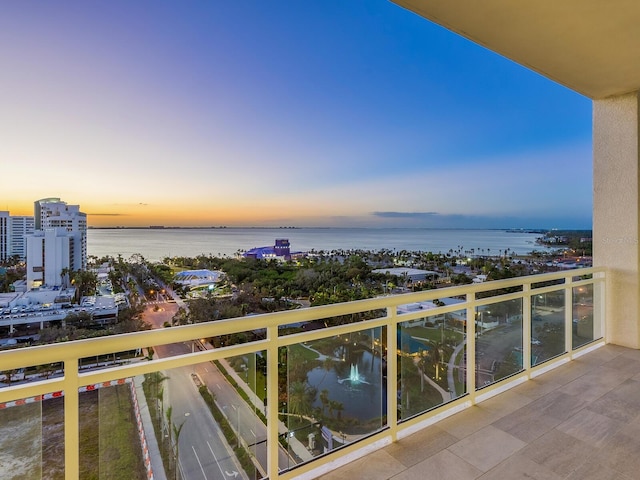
(150, 435)
(298, 448)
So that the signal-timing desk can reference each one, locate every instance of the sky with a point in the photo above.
(280, 113)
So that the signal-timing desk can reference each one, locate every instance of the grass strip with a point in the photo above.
(240, 390)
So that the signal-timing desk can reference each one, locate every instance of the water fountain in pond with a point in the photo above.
(354, 377)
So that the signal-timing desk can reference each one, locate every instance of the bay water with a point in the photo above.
(156, 244)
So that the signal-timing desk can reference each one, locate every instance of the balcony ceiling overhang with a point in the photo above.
(590, 46)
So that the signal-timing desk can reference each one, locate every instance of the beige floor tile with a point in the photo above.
(620, 453)
(596, 384)
(519, 467)
(629, 363)
(629, 352)
(537, 387)
(378, 465)
(567, 372)
(442, 466)
(505, 403)
(592, 470)
(421, 445)
(527, 423)
(487, 447)
(628, 391)
(618, 407)
(466, 422)
(591, 427)
(601, 355)
(559, 452)
(559, 405)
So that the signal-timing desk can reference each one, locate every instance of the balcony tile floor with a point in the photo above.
(581, 421)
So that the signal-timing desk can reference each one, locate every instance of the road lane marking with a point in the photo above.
(215, 458)
(194, 452)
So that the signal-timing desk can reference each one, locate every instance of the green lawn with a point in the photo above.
(120, 453)
(32, 438)
(435, 334)
(299, 351)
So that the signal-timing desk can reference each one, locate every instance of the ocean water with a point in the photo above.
(156, 244)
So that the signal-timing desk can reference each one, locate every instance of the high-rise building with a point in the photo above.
(49, 255)
(19, 228)
(54, 213)
(58, 245)
(37, 209)
(13, 231)
(4, 235)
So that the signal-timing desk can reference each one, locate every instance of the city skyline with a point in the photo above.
(314, 114)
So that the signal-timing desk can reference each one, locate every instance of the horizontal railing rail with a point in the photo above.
(470, 297)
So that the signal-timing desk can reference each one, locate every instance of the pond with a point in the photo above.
(356, 382)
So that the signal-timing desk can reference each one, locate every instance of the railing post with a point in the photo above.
(599, 307)
(71, 420)
(568, 315)
(392, 373)
(273, 444)
(471, 347)
(526, 328)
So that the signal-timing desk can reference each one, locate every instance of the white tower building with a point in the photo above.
(49, 252)
(54, 213)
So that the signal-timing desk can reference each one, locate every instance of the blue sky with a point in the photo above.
(314, 113)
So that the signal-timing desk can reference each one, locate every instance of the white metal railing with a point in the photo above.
(526, 288)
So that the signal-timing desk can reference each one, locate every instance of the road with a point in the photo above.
(202, 456)
(203, 453)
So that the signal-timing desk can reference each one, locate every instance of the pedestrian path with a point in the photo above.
(298, 448)
(157, 466)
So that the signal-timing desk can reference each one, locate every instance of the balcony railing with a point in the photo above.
(306, 389)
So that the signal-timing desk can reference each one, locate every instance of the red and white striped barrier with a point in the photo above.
(90, 388)
(143, 438)
(49, 396)
(25, 401)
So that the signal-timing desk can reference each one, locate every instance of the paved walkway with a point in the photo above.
(150, 435)
(580, 421)
(298, 448)
(446, 396)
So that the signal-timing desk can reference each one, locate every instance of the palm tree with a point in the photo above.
(299, 402)
(324, 398)
(85, 281)
(64, 276)
(176, 434)
(335, 406)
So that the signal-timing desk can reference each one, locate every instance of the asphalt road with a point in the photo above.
(204, 454)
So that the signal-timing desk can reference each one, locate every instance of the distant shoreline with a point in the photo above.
(164, 227)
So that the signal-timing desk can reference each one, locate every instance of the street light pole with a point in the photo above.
(237, 425)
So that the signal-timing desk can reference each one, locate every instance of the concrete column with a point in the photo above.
(616, 220)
